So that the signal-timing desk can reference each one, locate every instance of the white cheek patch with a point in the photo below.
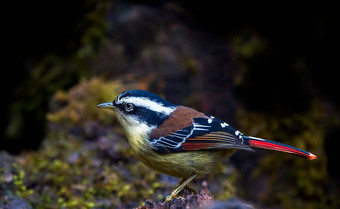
(132, 120)
(135, 126)
(127, 120)
(118, 100)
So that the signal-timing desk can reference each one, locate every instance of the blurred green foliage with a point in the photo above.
(277, 178)
(70, 171)
(29, 102)
(302, 181)
(79, 104)
(85, 161)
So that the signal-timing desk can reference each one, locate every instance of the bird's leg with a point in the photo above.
(187, 186)
(183, 183)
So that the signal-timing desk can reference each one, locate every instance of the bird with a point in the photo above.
(180, 141)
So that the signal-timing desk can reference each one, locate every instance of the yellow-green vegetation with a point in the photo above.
(80, 102)
(72, 170)
(292, 182)
(28, 104)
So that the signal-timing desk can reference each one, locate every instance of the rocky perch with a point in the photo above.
(8, 180)
(202, 200)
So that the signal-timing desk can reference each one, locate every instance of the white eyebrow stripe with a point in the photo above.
(119, 98)
(149, 104)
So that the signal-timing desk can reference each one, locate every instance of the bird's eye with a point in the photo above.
(128, 107)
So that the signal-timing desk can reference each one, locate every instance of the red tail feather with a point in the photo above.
(266, 144)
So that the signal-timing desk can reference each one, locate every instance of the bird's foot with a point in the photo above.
(182, 184)
(170, 197)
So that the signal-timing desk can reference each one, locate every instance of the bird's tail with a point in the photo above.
(271, 145)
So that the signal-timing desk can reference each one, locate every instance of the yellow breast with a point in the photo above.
(180, 164)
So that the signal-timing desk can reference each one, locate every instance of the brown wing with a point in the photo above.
(202, 134)
(181, 118)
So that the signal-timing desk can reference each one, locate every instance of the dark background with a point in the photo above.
(294, 32)
(299, 63)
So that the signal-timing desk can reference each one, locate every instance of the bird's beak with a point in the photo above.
(106, 105)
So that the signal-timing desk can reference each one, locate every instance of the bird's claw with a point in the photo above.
(170, 197)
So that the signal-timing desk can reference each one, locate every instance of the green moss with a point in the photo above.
(80, 102)
(71, 170)
(55, 71)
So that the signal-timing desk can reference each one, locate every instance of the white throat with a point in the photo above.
(133, 126)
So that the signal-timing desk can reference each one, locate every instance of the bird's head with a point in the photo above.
(139, 110)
